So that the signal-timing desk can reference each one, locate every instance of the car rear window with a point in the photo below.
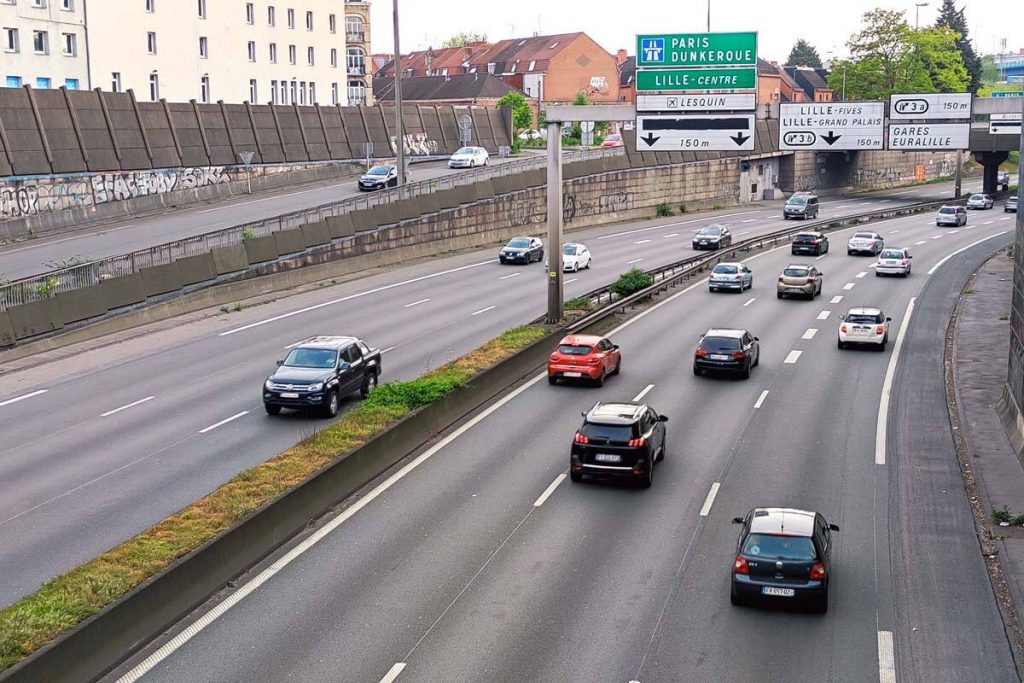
(720, 344)
(594, 430)
(796, 548)
(722, 268)
(892, 254)
(795, 272)
(864, 235)
(805, 238)
(863, 318)
(947, 209)
(574, 349)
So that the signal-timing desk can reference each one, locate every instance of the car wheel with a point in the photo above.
(618, 367)
(778, 295)
(877, 274)
(734, 597)
(849, 252)
(552, 379)
(369, 384)
(330, 408)
(589, 261)
(600, 380)
(885, 342)
(712, 289)
(575, 477)
(745, 372)
(757, 359)
(540, 257)
(697, 371)
(840, 344)
(821, 606)
(272, 410)
(648, 479)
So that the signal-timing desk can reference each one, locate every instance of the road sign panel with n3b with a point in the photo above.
(697, 49)
(930, 106)
(697, 102)
(831, 125)
(680, 80)
(695, 132)
(929, 136)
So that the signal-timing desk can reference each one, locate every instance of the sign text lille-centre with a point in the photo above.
(697, 49)
(674, 80)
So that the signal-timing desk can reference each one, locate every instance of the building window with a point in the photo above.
(291, 54)
(70, 44)
(202, 9)
(271, 16)
(204, 47)
(334, 56)
(150, 5)
(356, 94)
(250, 13)
(252, 91)
(13, 82)
(282, 92)
(309, 21)
(68, 6)
(273, 92)
(41, 4)
(312, 92)
(115, 81)
(43, 83)
(356, 62)
(151, 42)
(532, 65)
(10, 40)
(154, 87)
(295, 92)
(273, 53)
(334, 93)
(41, 42)
(310, 57)
(71, 83)
(302, 92)
(204, 89)
(291, 18)
(252, 50)
(332, 22)
(354, 29)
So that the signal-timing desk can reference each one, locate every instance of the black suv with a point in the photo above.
(783, 554)
(728, 350)
(618, 440)
(319, 372)
(813, 243)
(712, 237)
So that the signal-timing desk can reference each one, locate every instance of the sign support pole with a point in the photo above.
(959, 171)
(554, 245)
(399, 124)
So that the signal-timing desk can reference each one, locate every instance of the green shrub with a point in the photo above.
(415, 393)
(580, 303)
(682, 208)
(1001, 515)
(248, 234)
(664, 210)
(631, 281)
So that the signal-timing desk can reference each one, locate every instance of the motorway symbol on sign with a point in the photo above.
(931, 106)
(652, 50)
(697, 102)
(679, 80)
(690, 132)
(831, 125)
(697, 49)
(928, 136)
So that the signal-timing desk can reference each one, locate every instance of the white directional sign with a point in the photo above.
(831, 125)
(697, 102)
(1004, 124)
(930, 106)
(927, 136)
(695, 132)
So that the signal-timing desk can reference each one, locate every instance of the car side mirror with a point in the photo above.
(280, 363)
(909, 256)
(833, 527)
(615, 347)
(842, 317)
(583, 413)
(757, 339)
(737, 520)
(663, 418)
(888, 320)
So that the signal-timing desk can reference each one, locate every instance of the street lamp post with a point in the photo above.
(399, 127)
(917, 13)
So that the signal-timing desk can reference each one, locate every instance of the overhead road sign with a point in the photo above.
(930, 106)
(695, 132)
(1008, 93)
(680, 80)
(1004, 124)
(929, 136)
(697, 102)
(696, 49)
(831, 125)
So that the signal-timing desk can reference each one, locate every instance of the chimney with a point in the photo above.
(621, 57)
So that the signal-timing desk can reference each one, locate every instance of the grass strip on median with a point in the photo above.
(65, 601)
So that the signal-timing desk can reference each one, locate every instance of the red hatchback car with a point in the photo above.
(584, 356)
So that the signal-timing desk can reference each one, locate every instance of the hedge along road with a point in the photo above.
(483, 563)
(83, 475)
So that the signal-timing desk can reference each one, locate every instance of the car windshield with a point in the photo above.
(723, 268)
(864, 318)
(569, 250)
(892, 254)
(720, 343)
(795, 272)
(712, 231)
(797, 201)
(795, 548)
(864, 236)
(519, 243)
(614, 137)
(378, 170)
(947, 209)
(574, 349)
(978, 197)
(593, 430)
(311, 358)
(467, 150)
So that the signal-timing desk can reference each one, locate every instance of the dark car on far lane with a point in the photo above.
(522, 250)
(618, 440)
(378, 178)
(727, 351)
(319, 372)
(809, 242)
(712, 237)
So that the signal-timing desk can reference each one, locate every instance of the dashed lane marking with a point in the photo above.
(417, 303)
(824, 315)
(710, 500)
(130, 405)
(750, 301)
(849, 285)
(549, 490)
(484, 310)
(643, 393)
(22, 398)
(223, 422)
(760, 399)
(809, 334)
(793, 357)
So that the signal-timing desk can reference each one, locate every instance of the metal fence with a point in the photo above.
(73, 276)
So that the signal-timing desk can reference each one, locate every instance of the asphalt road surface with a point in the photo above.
(482, 562)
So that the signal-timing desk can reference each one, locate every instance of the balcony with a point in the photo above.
(355, 36)
(356, 97)
(356, 69)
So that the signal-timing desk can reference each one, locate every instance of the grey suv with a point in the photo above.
(801, 205)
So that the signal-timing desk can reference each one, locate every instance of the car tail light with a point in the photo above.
(636, 443)
(701, 353)
(740, 565)
(879, 329)
(579, 438)
(593, 360)
(782, 279)
(818, 572)
(739, 354)
(815, 241)
(556, 356)
(810, 280)
(842, 328)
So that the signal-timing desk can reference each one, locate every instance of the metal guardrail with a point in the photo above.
(70, 276)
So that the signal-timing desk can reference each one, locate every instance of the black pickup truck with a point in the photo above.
(321, 371)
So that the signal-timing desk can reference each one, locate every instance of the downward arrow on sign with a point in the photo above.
(830, 138)
(739, 138)
(650, 139)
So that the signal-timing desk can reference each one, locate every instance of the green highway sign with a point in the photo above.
(696, 49)
(679, 80)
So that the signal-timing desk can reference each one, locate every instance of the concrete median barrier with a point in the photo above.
(314, 234)
(198, 268)
(6, 329)
(38, 317)
(384, 214)
(81, 304)
(123, 291)
(289, 241)
(261, 249)
(230, 259)
(160, 279)
(363, 220)
(410, 208)
(483, 190)
(341, 226)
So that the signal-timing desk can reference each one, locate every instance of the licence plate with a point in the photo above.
(289, 394)
(573, 374)
(607, 457)
(778, 592)
(718, 356)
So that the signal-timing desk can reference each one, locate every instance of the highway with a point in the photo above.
(482, 562)
(102, 443)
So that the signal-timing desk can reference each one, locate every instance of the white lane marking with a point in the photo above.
(255, 201)
(988, 222)
(248, 588)
(849, 285)
(873, 265)
(917, 244)
(223, 422)
(836, 299)
(636, 260)
(900, 194)
(793, 357)
(641, 242)
(387, 350)
(571, 280)
(643, 393)
(861, 274)
(358, 295)
(749, 220)
(673, 225)
(963, 249)
(549, 490)
(844, 206)
(953, 232)
(710, 500)
(130, 405)
(893, 232)
(750, 301)
(292, 346)
(820, 257)
(936, 237)
(393, 672)
(741, 234)
(809, 334)
(882, 424)
(1005, 219)
(886, 658)
(671, 234)
(506, 277)
(484, 310)
(421, 301)
(22, 398)
(760, 399)
(969, 227)
(824, 315)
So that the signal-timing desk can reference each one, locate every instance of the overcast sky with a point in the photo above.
(825, 23)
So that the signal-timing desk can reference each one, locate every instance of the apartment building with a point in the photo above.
(358, 67)
(43, 44)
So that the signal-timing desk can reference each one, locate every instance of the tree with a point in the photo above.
(463, 39)
(522, 115)
(952, 18)
(803, 54)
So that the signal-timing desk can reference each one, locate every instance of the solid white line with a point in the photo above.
(710, 500)
(636, 260)
(836, 299)
(849, 285)
(671, 234)
(861, 274)
(809, 334)
(506, 277)
(750, 301)
(223, 422)
(130, 405)
(824, 315)
(963, 249)
(642, 242)
(352, 296)
(793, 357)
(652, 227)
(917, 244)
(393, 672)
(417, 303)
(22, 398)
(886, 658)
(760, 399)
(484, 310)
(643, 393)
(881, 426)
(571, 280)
(549, 490)
(390, 348)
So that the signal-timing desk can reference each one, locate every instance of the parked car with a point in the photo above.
(379, 177)
(801, 205)
(730, 276)
(522, 250)
(980, 201)
(712, 237)
(1011, 204)
(893, 262)
(613, 140)
(799, 279)
(727, 350)
(1003, 180)
(584, 356)
(620, 440)
(532, 134)
(782, 554)
(811, 242)
(575, 257)
(469, 157)
(870, 243)
(951, 215)
(864, 325)
(318, 373)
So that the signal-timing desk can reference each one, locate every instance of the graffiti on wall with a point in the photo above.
(116, 187)
(416, 144)
(29, 199)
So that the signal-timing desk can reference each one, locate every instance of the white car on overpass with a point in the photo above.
(469, 157)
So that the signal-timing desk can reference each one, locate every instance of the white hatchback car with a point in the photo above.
(893, 262)
(864, 325)
(730, 276)
(575, 257)
(469, 157)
